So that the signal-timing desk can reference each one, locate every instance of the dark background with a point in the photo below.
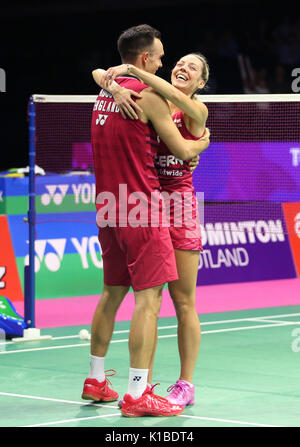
(50, 47)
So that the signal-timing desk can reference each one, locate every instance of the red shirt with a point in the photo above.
(174, 173)
(123, 152)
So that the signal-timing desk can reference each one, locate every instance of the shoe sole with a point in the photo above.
(141, 414)
(97, 399)
(91, 393)
(86, 396)
(190, 403)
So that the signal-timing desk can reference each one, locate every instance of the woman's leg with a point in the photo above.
(183, 293)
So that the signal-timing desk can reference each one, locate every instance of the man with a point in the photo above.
(139, 256)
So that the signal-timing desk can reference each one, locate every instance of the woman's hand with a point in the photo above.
(113, 72)
(128, 107)
(123, 96)
(194, 163)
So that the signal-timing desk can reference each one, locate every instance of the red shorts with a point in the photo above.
(184, 222)
(141, 257)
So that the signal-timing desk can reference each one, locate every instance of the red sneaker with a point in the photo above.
(149, 404)
(99, 391)
(121, 401)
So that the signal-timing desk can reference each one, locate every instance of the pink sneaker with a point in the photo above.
(181, 393)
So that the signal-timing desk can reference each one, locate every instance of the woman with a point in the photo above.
(189, 114)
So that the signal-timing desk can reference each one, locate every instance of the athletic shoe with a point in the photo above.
(121, 401)
(149, 404)
(182, 393)
(99, 391)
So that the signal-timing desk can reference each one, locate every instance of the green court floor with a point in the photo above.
(247, 375)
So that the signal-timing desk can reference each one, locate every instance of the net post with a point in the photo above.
(29, 273)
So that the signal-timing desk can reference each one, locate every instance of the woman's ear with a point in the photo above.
(201, 84)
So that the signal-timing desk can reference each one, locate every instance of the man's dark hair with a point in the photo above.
(135, 40)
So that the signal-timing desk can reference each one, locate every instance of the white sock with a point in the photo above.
(137, 382)
(97, 368)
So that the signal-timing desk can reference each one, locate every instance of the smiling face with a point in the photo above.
(187, 75)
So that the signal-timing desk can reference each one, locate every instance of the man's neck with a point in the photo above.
(137, 65)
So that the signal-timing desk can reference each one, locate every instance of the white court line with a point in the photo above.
(228, 421)
(261, 320)
(205, 323)
(117, 414)
(237, 320)
(63, 401)
(66, 421)
(284, 323)
(236, 329)
(281, 316)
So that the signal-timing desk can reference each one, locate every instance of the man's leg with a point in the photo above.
(96, 387)
(104, 318)
(142, 336)
(140, 401)
(151, 365)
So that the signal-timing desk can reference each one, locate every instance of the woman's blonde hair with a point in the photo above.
(205, 69)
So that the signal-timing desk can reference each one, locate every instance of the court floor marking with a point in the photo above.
(284, 323)
(205, 323)
(262, 320)
(228, 421)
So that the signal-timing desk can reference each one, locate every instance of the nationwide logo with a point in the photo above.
(165, 161)
(50, 252)
(81, 192)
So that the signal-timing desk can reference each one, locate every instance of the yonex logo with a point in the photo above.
(101, 119)
(53, 258)
(137, 378)
(81, 192)
(55, 193)
(50, 252)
